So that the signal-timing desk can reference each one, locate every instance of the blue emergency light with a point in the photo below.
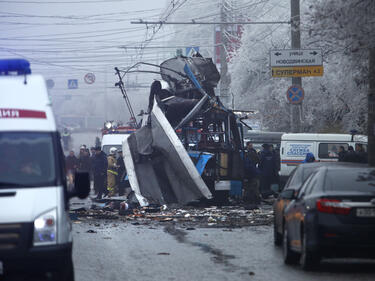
(19, 66)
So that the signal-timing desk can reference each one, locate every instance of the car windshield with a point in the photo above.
(26, 159)
(351, 180)
(300, 175)
(106, 148)
(306, 172)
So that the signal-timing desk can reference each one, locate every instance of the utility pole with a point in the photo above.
(224, 77)
(371, 109)
(296, 44)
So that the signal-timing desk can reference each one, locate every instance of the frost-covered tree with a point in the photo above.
(348, 27)
(335, 102)
(346, 30)
(252, 86)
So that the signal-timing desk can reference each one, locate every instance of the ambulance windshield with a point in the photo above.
(26, 159)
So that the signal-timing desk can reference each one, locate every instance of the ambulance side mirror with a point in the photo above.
(81, 185)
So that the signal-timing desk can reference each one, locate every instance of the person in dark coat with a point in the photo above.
(100, 165)
(276, 152)
(351, 156)
(71, 162)
(268, 168)
(92, 156)
(251, 192)
(362, 156)
(252, 153)
(342, 153)
(84, 160)
(121, 172)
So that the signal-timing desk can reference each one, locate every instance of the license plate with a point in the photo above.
(366, 212)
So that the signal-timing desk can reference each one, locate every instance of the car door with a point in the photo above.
(281, 203)
(296, 211)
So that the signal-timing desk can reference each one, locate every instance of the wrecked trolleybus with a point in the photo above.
(189, 146)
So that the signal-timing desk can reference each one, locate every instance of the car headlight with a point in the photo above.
(45, 229)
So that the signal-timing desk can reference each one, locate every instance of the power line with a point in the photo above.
(202, 22)
(62, 2)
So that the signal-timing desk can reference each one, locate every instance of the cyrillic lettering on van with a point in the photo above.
(21, 113)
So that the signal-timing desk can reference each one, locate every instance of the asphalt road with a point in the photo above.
(121, 251)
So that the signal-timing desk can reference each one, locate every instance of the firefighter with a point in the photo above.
(112, 173)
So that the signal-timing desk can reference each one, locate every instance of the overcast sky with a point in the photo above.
(65, 39)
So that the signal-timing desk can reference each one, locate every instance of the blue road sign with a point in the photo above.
(295, 94)
(72, 84)
(191, 51)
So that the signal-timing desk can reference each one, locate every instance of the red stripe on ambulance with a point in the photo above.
(21, 113)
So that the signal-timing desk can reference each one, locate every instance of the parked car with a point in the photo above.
(294, 183)
(333, 215)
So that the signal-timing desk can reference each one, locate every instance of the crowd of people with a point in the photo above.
(261, 169)
(359, 155)
(107, 171)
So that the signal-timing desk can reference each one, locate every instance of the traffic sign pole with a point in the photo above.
(296, 44)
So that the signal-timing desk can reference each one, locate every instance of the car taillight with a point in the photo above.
(332, 206)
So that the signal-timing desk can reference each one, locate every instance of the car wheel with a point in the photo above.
(290, 257)
(309, 260)
(277, 237)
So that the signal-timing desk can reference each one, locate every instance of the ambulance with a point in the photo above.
(113, 135)
(35, 229)
(325, 148)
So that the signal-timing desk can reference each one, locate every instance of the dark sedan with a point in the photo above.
(333, 215)
(294, 183)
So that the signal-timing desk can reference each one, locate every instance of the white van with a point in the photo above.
(113, 140)
(114, 135)
(294, 148)
(35, 229)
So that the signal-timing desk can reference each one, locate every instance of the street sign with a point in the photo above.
(297, 71)
(295, 94)
(190, 51)
(72, 84)
(299, 57)
(50, 83)
(89, 78)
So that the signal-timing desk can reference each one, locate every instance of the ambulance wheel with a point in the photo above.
(66, 273)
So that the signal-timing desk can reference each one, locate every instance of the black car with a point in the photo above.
(294, 183)
(333, 215)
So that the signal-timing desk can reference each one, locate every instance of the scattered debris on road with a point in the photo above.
(189, 217)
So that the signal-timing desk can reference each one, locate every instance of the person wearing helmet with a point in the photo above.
(112, 173)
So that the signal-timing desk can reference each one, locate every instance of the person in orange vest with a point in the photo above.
(112, 173)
